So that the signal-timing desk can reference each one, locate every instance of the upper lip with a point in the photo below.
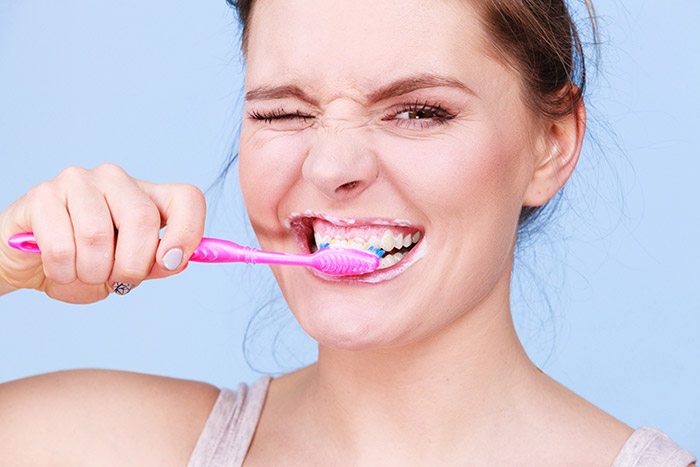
(297, 218)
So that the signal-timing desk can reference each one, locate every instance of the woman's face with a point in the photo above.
(368, 117)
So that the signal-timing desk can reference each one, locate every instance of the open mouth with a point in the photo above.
(396, 239)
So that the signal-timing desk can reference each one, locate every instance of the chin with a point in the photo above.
(349, 324)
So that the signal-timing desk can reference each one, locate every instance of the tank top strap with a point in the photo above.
(229, 430)
(648, 447)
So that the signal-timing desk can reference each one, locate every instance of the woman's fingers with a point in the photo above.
(183, 208)
(53, 231)
(93, 230)
(100, 227)
(139, 254)
(137, 220)
(77, 292)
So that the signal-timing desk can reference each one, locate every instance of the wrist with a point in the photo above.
(6, 288)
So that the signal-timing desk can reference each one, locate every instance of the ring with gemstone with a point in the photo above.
(122, 288)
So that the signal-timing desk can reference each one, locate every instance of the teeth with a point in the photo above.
(387, 262)
(387, 243)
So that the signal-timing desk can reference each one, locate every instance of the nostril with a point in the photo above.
(348, 186)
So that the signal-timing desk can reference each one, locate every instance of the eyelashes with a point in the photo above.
(422, 114)
(409, 115)
(280, 114)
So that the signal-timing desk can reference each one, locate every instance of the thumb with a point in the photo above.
(158, 272)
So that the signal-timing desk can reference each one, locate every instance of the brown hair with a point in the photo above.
(539, 39)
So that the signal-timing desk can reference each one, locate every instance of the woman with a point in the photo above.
(446, 123)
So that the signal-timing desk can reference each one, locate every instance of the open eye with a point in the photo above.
(422, 114)
(416, 114)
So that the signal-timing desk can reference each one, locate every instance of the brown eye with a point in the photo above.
(420, 115)
(416, 114)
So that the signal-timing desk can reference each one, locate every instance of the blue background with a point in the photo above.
(606, 301)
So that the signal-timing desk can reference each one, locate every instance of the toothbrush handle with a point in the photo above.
(25, 242)
(214, 250)
(210, 250)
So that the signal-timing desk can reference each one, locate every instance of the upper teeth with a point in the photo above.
(387, 242)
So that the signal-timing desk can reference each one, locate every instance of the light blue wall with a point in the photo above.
(154, 86)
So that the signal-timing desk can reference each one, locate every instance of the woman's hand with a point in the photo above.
(96, 228)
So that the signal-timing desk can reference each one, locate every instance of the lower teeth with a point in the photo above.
(387, 260)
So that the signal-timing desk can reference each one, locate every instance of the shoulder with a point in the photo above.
(232, 423)
(128, 418)
(586, 435)
(648, 447)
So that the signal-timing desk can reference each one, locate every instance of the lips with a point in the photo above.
(399, 239)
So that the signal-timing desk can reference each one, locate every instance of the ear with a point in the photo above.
(557, 156)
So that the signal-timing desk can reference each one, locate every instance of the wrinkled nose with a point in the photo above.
(341, 166)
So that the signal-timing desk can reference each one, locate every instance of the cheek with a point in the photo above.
(470, 172)
(469, 186)
(268, 167)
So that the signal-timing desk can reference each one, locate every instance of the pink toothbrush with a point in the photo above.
(336, 261)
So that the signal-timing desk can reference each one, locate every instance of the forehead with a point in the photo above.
(362, 42)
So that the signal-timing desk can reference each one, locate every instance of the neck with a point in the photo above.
(437, 389)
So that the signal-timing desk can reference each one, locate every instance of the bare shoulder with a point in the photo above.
(584, 432)
(122, 418)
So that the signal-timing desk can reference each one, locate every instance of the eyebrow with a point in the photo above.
(279, 92)
(395, 88)
(414, 83)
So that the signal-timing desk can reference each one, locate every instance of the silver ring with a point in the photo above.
(122, 288)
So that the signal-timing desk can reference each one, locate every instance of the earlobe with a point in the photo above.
(559, 156)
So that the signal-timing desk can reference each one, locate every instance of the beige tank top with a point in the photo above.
(229, 430)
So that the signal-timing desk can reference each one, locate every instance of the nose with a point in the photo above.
(340, 163)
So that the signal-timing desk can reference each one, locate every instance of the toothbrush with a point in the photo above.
(335, 261)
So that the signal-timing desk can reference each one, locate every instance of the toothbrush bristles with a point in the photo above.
(377, 251)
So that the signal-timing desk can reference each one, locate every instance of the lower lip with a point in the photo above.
(380, 275)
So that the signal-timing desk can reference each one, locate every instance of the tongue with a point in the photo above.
(365, 232)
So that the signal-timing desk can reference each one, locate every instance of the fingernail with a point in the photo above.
(122, 288)
(172, 259)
